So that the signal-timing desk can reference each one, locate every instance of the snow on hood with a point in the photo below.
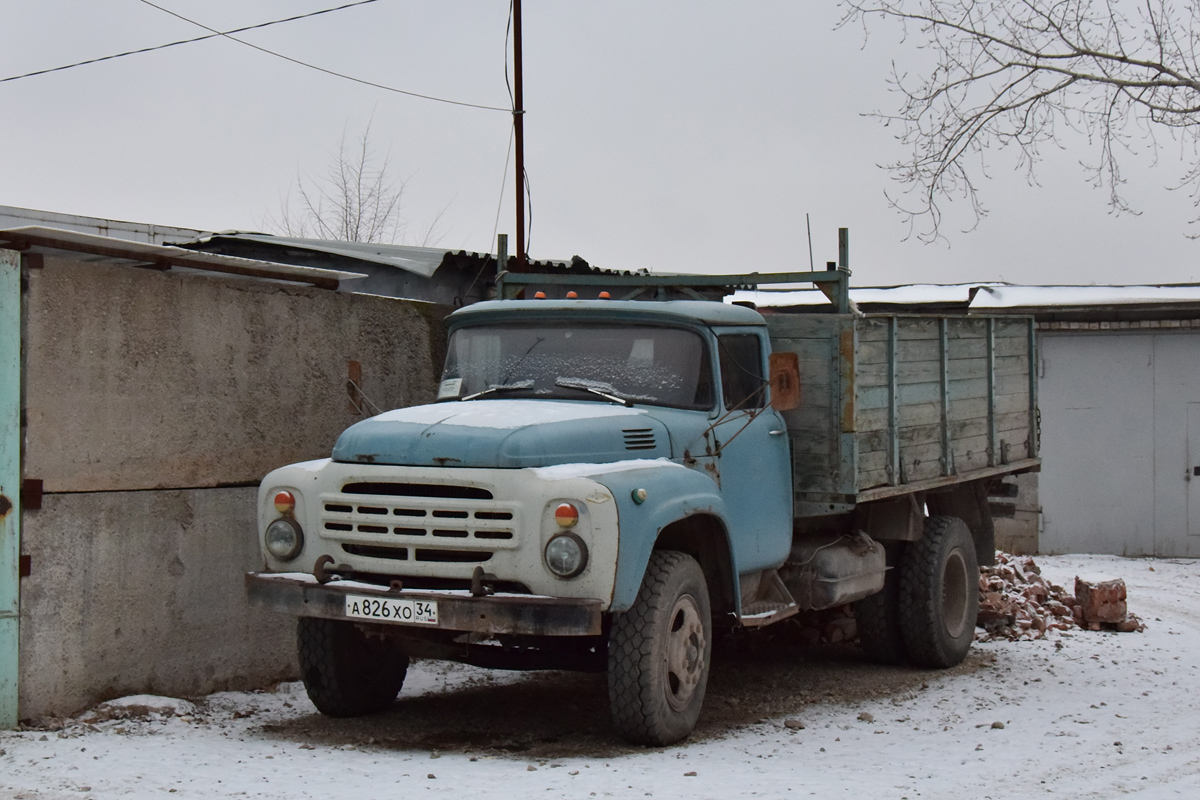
(563, 471)
(501, 434)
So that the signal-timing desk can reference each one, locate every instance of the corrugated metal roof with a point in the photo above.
(14, 217)
(88, 247)
(422, 261)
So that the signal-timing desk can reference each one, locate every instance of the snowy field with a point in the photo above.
(1083, 714)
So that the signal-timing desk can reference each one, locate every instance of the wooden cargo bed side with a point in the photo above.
(889, 402)
(815, 427)
(940, 397)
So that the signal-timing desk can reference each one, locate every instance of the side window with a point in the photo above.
(742, 376)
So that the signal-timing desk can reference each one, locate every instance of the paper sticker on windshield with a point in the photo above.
(451, 387)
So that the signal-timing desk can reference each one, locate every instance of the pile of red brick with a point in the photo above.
(1016, 602)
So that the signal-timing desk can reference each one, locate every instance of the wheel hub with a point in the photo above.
(684, 656)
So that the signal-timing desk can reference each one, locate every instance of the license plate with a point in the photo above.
(390, 609)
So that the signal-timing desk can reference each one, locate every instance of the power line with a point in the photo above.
(183, 41)
(322, 69)
(214, 33)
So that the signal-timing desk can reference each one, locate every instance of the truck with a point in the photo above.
(605, 484)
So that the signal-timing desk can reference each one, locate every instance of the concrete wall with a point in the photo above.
(145, 393)
(141, 592)
(139, 379)
(1120, 437)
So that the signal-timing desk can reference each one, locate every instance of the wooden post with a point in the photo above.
(519, 134)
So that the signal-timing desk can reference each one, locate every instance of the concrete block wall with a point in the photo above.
(153, 404)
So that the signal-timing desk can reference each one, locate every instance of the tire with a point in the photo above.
(939, 594)
(345, 672)
(878, 616)
(659, 653)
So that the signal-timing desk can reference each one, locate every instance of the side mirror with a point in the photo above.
(785, 381)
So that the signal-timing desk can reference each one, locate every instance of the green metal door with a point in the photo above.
(10, 479)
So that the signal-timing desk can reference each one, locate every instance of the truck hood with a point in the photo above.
(504, 434)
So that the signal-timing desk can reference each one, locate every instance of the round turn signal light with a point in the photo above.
(566, 515)
(285, 502)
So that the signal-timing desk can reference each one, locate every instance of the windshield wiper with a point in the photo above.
(496, 389)
(598, 388)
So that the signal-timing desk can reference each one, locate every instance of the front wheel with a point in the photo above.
(939, 594)
(345, 672)
(659, 652)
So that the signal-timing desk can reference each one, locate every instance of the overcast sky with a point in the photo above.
(677, 136)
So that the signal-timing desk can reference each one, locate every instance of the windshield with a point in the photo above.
(640, 364)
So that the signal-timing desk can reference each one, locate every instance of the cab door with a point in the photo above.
(753, 464)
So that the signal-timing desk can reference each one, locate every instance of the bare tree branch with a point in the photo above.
(1009, 73)
(356, 199)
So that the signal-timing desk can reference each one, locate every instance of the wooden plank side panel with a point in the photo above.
(906, 351)
(970, 455)
(917, 379)
(967, 328)
(872, 329)
(812, 427)
(921, 462)
(1013, 345)
(972, 349)
(822, 327)
(970, 389)
(930, 413)
(812, 472)
(1015, 382)
(1007, 327)
(907, 372)
(1017, 421)
(813, 441)
(915, 328)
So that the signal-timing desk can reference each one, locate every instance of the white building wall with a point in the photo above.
(1115, 442)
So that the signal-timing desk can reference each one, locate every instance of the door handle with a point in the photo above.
(782, 431)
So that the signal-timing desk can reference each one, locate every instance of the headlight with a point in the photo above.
(566, 555)
(284, 539)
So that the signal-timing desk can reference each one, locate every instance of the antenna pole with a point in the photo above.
(519, 135)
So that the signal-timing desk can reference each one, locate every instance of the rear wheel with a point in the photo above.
(345, 672)
(939, 594)
(659, 652)
(878, 616)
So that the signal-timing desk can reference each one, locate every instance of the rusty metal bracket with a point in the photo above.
(31, 494)
(482, 583)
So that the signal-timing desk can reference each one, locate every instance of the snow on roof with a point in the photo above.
(981, 296)
(913, 294)
(1008, 296)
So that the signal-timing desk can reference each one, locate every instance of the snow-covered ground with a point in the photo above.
(1085, 715)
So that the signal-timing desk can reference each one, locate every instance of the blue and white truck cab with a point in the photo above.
(600, 482)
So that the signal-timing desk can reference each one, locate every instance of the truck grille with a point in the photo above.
(419, 522)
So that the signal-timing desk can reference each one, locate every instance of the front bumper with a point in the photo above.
(530, 615)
